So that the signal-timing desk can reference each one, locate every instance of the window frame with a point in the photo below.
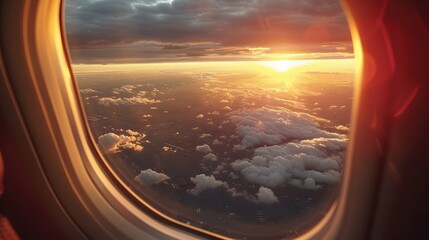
(94, 201)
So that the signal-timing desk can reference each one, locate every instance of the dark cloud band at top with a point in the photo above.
(185, 26)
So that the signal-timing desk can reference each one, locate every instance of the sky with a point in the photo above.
(134, 31)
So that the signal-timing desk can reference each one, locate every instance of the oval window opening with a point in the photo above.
(227, 116)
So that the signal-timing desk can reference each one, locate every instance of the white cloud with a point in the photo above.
(266, 195)
(203, 182)
(125, 88)
(270, 126)
(205, 135)
(210, 156)
(204, 148)
(332, 144)
(199, 116)
(132, 133)
(112, 143)
(150, 177)
(215, 113)
(87, 90)
(141, 93)
(216, 142)
(238, 147)
(342, 128)
(276, 165)
(310, 157)
(227, 108)
(107, 101)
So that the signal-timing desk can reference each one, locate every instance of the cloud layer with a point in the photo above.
(270, 126)
(150, 177)
(294, 149)
(187, 29)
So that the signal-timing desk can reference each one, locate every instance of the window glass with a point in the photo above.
(231, 116)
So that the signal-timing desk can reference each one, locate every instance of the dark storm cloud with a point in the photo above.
(203, 27)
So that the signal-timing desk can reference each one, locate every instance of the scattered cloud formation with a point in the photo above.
(204, 148)
(269, 126)
(128, 88)
(87, 90)
(199, 116)
(266, 195)
(107, 101)
(112, 143)
(203, 182)
(290, 148)
(150, 177)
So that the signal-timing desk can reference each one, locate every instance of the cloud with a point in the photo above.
(199, 116)
(276, 165)
(270, 126)
(128, 88)
(210, 156)
(107, 101)
(87, 90)
(288, 148)
(203, 182)
(266, 195)
(179, 29)
(342, 128)
(150, 177)
(307, 183)
(205, 135)
(112, 143)
(238, 147)
(204, 148)
(131, 132)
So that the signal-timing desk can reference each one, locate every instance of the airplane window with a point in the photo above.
(228, 116)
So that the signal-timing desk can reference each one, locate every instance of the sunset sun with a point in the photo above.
(284, 65)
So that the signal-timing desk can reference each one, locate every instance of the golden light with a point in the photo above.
(284, 65)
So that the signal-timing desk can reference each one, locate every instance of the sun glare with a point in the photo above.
(284, 65)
